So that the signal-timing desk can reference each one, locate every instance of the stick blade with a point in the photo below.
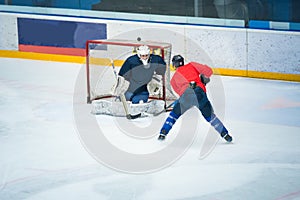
(129, 116)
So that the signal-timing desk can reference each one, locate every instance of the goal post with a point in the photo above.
(100, 74)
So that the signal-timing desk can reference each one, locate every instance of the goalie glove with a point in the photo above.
(155, 85)
(121, 86)
(204, 79)
(155, 88)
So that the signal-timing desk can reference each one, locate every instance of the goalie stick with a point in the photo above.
(123, 99)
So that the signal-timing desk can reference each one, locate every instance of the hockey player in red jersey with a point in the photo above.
(189, 83)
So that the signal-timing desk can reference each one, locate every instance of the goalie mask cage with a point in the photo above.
(101, 75)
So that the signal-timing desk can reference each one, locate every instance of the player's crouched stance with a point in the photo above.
(189, 82)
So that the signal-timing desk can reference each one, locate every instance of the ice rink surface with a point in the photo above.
(43, 156)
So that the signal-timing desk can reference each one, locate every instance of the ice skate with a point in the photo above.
(226, 137)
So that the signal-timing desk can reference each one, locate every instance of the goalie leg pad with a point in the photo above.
(151, 107)
(107, 107)
(115, 108)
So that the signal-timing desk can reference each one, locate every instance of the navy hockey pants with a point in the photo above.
(194, 97)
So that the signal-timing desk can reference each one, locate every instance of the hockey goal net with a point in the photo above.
(100, 54)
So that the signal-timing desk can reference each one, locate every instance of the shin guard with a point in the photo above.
(170, 121)
(217, 124)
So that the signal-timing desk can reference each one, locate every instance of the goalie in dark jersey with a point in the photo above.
(189, 83)
(138, 70)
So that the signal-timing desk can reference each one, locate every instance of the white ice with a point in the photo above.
(43, 155)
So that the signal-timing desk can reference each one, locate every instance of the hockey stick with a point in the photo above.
(164, 110)
(123, 99)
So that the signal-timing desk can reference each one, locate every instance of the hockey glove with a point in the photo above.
(204, 79)
(155, 85)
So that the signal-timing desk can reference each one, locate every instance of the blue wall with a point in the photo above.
(58, 33)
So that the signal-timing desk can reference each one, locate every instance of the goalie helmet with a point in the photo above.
(143, 53)
(177, 61)
(143, 50)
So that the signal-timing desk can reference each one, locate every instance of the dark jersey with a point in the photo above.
(139, 75)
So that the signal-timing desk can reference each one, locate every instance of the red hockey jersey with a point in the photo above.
(188, 73)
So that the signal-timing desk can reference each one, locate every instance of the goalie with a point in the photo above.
(138, 70)
(140, 73)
